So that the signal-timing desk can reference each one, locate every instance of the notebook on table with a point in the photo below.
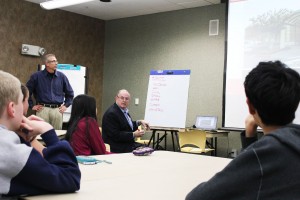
(207, 123)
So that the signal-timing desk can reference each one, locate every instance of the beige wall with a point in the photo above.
(75, 39)
(171, 40)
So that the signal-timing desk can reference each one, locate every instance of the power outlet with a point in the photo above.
(233, 153)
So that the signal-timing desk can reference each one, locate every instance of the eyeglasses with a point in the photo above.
(124, 98)
(52, 61)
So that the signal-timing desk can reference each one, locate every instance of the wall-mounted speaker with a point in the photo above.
(32, 50)
(213, 27)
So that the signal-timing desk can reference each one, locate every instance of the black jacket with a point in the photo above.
(116, 131)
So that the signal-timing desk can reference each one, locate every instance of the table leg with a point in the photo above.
(151, 139)
(154, 140)
(177, 140)
(157, 141)
(216, 140)
(172, 132)
(166, 140)
(213, 142)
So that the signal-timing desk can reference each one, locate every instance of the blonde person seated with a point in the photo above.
(83, 130)
(21, 165)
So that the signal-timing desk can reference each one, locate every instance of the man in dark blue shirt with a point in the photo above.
(52, 92)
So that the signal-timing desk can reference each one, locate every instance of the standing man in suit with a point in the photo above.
(118, 129)
(52, 92)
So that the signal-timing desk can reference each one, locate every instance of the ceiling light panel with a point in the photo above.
(49, 5)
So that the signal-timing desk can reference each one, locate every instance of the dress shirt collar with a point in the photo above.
(123, 110)
(46, 73)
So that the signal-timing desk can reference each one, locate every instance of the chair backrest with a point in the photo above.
(107, 146)
(192, 138)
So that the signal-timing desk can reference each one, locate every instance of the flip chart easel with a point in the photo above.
(167, 98)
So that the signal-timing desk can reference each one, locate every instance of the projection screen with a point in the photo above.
(257, 30)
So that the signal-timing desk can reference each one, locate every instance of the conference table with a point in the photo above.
(156, 139)
(160, 175)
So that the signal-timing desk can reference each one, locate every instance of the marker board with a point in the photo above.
(76, 75)
(167, 98)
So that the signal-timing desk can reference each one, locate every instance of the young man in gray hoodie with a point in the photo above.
(269, 167)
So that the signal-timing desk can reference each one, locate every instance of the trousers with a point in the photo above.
(52, 116)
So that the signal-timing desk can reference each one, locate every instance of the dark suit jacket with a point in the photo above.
(116, 131)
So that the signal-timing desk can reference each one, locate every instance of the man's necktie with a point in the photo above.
(128, 119)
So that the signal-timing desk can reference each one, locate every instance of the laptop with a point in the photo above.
(207, 123)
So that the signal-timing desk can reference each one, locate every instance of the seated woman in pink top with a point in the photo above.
(83, 130)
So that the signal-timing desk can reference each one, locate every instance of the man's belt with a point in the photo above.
(50, 105)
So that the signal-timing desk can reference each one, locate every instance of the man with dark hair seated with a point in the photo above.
(267, 168)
